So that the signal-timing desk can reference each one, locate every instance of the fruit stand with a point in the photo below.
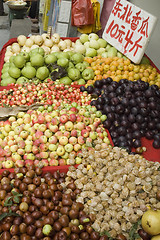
(66, 148)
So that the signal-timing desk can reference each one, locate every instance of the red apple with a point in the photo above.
(72, 117)
(63, 118)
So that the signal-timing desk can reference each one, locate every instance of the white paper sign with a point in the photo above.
(128, 29)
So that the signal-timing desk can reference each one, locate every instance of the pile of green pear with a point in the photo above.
(35, 66)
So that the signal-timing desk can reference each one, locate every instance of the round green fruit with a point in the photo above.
(65, 81)
(14, 72)
(74, 74)
(19, 61)
(22, 80)
(7, 81)
(29, 72)
(37, 60)
(42, 73)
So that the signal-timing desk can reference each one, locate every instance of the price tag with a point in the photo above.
(129, 29)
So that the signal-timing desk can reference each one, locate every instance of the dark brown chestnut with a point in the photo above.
(64, 220)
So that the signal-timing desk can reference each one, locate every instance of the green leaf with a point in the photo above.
(8, 202)
(108, 235)
(133, 231)
(17, 194)
(3, 215)
(14, 193)
(16, 199)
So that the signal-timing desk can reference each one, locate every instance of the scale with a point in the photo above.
(17, 10)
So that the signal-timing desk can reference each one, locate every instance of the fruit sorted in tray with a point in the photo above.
(132, 110)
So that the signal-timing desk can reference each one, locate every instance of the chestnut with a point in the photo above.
(14, 208)
(30, 173)
(37, 202)
(74, 236)
(46, 194)
(31, 187)
(14, 230)
(65, 210)
(6, 235)
(38, 192)
(26, 199)
(31, 167)
(75, 229)
(44, 210)
(6, 187)
(64, 220)
(23, 170)
(158, 195)
(28, 180)
(54, 215)
(62, 235)
(73, 213)
(56, 175)
(57, 208)
(32, 208)
(144, 235)
(121, 237)
(29, 220)
(5, 173)
(57, 226)
(23, 187)
(50, 205)
(53, 186)
(31, 229)
(25, 237)
(67, 202)
(5, 180)
(84, 236)
(39, 234)
(104, 237)
(48, 220)
(2, 194)
(39, 223)
(67, 230)
(18, 220)
(37, 181)
(17, 182)
(36, 214)
(94, 236)
(62, 175)
(9, 219)
(6, 226)
(58, 195)
(15, 237)
(22, 228)
(44, 186)
(38, 171)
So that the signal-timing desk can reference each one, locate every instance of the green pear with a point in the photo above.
(7, 81)
(151, 222)
(37, 60)
(29, 72)
(14, 72)
(42, 73)
(156, 237)
(19, 61)
(22, 80)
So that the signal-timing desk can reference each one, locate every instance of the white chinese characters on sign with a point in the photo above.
(129, 29)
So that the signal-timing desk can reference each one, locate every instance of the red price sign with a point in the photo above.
(128, 29)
